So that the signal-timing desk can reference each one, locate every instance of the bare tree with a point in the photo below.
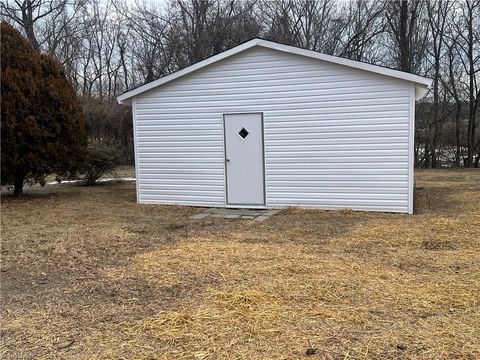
(110, 46)
(200, 29)
(468, 49)
(363, 23)
(146, 35)
(454, 88)
(409, 35)
(29, 13)
(312, 25)
(437, 12)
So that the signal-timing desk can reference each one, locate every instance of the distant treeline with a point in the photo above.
(107, 47)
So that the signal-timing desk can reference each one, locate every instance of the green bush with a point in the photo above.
(101, 159)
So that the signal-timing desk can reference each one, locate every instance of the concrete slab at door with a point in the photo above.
(245, 178)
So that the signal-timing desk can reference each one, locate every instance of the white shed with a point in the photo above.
(265, 125)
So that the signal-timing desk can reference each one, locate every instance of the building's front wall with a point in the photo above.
(335, 137)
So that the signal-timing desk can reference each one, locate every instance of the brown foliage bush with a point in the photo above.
(43, 128)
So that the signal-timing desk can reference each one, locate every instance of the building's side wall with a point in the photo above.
(335, 137)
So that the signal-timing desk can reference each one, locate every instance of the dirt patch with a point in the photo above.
(438, 245)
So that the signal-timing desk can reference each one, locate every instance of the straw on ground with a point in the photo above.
(87, 273)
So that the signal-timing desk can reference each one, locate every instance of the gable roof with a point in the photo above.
(421, 83)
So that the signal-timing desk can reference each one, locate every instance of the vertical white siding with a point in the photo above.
(335, 137)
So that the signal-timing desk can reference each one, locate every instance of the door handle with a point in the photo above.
(227, 160)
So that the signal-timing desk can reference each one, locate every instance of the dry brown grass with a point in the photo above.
(87, 273)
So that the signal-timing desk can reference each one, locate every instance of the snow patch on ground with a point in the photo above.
(101, 180)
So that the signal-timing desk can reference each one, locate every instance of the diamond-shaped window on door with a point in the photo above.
(243, 133)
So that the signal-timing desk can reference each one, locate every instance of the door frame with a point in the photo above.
(249, 206)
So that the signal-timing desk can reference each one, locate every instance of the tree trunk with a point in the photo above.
(18, 186)
(28, 23)
(457, 134)
(476, 160)
(433, 161)
(471, 97)
(403, 38)
(426, 155)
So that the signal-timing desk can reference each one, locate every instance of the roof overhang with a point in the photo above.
(421, 90)
(421, 83)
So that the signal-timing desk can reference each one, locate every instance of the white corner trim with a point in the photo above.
(135, 146)
(411, 151)
(421, 83)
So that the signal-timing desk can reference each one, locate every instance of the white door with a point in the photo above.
(245, 184)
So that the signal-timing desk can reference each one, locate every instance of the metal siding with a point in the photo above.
(335, 137)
